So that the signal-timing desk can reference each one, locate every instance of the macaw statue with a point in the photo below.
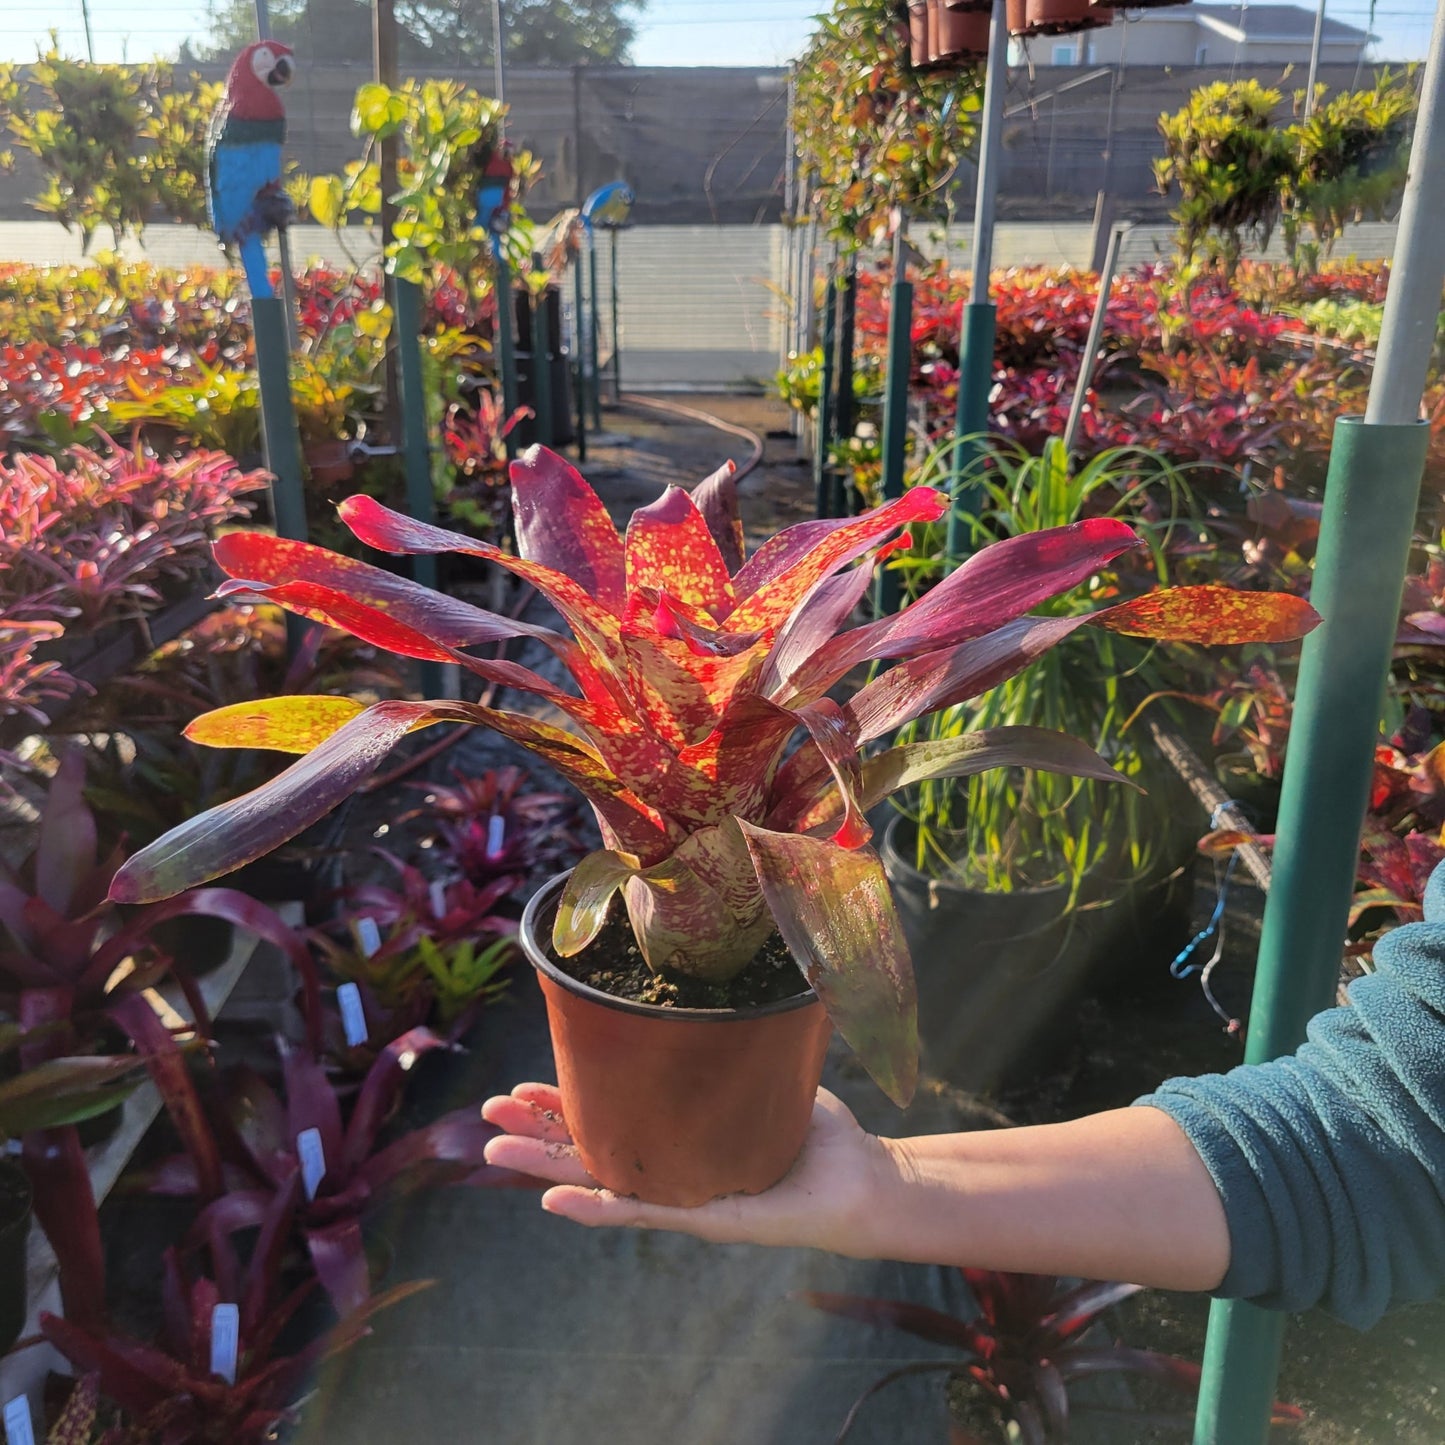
(609, 206)
(243, 158)
(496, 188)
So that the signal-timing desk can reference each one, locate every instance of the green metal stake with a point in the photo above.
(579, 350)
(843, 408)
(541, 371)
(616, 329)
(976, 324)
(822, 478)
(416, 449)
(506, 345)
(887, 594)
(594, 333)
(1371, 496)
(279, 438)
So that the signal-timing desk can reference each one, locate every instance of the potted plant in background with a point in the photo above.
(695, 669)
(1046, 869)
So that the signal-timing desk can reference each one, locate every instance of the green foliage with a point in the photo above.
(1014, 828)
(117, 144)
(1240, 171)
(538, 32)
(869, 129)
(463, 972)
(1353, 153)
(1231, 164)
(445, 130)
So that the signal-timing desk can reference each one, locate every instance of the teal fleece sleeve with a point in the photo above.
(1331, 1164)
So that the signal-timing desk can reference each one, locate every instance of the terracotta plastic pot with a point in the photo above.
(1061, 17)
(918, 34)
(330, 462)
(955, 34)
(678, 1106)
(1018, 17)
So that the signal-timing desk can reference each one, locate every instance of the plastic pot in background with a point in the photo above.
(330, 462)
(678, 1106)
(994, 969)
(918, 52)
(15, 1204)
(956, 34)
(1062, 17)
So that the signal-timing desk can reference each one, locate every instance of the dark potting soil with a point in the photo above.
(613, 963)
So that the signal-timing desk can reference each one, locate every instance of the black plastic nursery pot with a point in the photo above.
(993, 969)
(15, 1204)
(677, 1105)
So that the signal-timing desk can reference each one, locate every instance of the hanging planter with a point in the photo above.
(918, 52)
(956, 36)
(1056, 17)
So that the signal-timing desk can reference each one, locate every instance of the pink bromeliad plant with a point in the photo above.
(695, 668)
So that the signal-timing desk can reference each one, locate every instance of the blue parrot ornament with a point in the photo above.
(609, 206)
(243, 158)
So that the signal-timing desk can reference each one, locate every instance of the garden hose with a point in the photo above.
(692, 413)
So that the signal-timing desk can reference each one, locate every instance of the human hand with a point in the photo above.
(833, 1198)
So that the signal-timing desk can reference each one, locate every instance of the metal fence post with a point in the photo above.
(1371, 496)
(843, 408)
(822, 481)
(887, 593)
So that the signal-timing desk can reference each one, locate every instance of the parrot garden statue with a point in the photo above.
(243, 158)
(609, 206)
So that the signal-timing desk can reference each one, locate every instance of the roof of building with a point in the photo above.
(1271, 22)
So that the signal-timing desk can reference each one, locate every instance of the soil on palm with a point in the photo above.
(613, 963)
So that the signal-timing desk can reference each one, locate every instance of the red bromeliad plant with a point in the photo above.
(695, 670)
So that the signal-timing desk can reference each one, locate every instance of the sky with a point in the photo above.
(671, 32)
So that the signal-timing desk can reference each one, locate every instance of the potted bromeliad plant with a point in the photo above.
(689, 1045)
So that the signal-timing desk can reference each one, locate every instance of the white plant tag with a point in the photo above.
(368, 935)
(313, 1160)
(353, 1016)
(18, 1429)
(225, 1341)
(438, 898)
(496, 835)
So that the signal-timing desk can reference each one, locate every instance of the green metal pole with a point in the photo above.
(887, 594)
(594, 334)
(976, 324)
(822, 479)
(579, 350)
(616, 329)
(541, 371)
(843, 408)
(416, 448)
(1371, 496)
(506, 345)
(279, 438)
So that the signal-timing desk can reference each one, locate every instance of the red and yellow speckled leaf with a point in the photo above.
(1211, 615)
(740, 757)
(716, 497)
(370, 624)
(786, 568)
(236, 832)
(283, 724)
(834, 909)
(994, 586)
(832, 735)
(669, 548)
(562, 523)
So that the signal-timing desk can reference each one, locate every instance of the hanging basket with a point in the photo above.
(956, 37)
(1059, 17)
(986, 6)
(918, 34)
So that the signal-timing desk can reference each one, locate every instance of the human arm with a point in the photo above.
(1121, 1195)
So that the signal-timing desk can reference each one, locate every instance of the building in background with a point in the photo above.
(1207, 35)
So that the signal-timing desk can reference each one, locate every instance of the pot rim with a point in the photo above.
(537, 957)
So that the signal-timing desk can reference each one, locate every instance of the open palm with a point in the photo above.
(826, 1201)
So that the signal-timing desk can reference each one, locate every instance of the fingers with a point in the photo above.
(556, 1162)
(525, 1117)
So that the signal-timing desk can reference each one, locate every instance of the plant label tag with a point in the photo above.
(368, 935)
(313, 1160)
(18, 1429)
(225, 1341)
(353, 1016)
(496, 835)
(438, 898)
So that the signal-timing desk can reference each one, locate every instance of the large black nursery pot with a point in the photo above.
(993, 969)
(15, 1204)
(677, 1106)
